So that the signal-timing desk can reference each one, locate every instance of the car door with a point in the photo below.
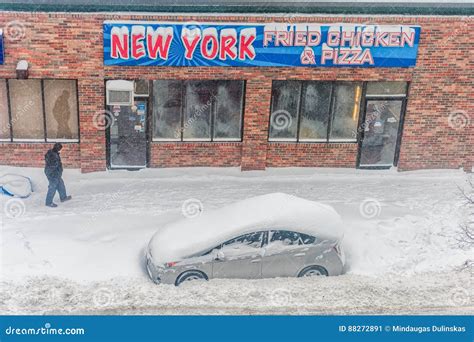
(240, 257)
(285, 254)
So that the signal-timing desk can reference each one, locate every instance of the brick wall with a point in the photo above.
(316, 155)
(195, 154)
(62, 45)
(33, 154)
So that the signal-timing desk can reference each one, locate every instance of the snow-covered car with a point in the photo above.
(274, 235)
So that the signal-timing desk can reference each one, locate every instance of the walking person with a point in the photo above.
(54, 171)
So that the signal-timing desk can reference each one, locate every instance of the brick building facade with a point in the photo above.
(437, 130)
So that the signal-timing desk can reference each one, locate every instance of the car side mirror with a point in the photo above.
(220, 256)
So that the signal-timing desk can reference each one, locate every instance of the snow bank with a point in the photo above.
(186, 237)
(103, 231)
(15, 185)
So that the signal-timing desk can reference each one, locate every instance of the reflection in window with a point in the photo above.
(167, 110)
(315, 111)
(61, 110)
(26, 109)
(284, 110)
(4, 119)
(309, 109)
(198, 110)
(346, 111)
(228, 113)
(386, 88)
(28, 113)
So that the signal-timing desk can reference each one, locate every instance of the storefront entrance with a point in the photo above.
(128, 138)
(127, 124)
(381, 134)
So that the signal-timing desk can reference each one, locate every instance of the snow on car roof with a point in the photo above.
(189, 236)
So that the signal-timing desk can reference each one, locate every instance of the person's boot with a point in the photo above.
(52, 205)
(67, 198)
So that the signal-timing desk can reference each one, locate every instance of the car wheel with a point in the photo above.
(312, 271)
(190, 276)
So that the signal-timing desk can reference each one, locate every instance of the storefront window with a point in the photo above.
(306, 110)
(285, 109)
(27, 110)
(167, 110)
(28, 113)
(61, 110)
(386, 88)
(346, 111)
(228, 113)
(197, 110)
(4, 120)
(315, 111)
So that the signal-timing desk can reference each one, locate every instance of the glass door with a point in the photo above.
(381, 133)
(128, 142)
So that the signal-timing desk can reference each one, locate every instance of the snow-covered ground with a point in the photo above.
(86, 256)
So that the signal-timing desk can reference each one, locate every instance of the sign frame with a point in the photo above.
(149, 43)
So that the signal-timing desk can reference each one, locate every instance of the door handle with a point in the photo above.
(299, 254)
(255, 260)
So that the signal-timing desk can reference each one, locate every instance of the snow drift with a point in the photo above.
(15, 185)
(186, 237)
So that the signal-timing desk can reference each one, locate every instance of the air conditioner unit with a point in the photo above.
(119, 92)
(142, 88)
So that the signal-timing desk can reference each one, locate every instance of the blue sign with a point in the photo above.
(260, 45)
(1, 47)
(237, 328)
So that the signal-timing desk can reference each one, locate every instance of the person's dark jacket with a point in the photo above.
(53, 166)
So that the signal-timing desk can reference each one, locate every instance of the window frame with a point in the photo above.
(332, 103)
(333, 113)
(396, 97)
(212, 118)
(328, 126)
(385, 96)
(41, 115)
(241, 122)
(45, 139)
(300, 85)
